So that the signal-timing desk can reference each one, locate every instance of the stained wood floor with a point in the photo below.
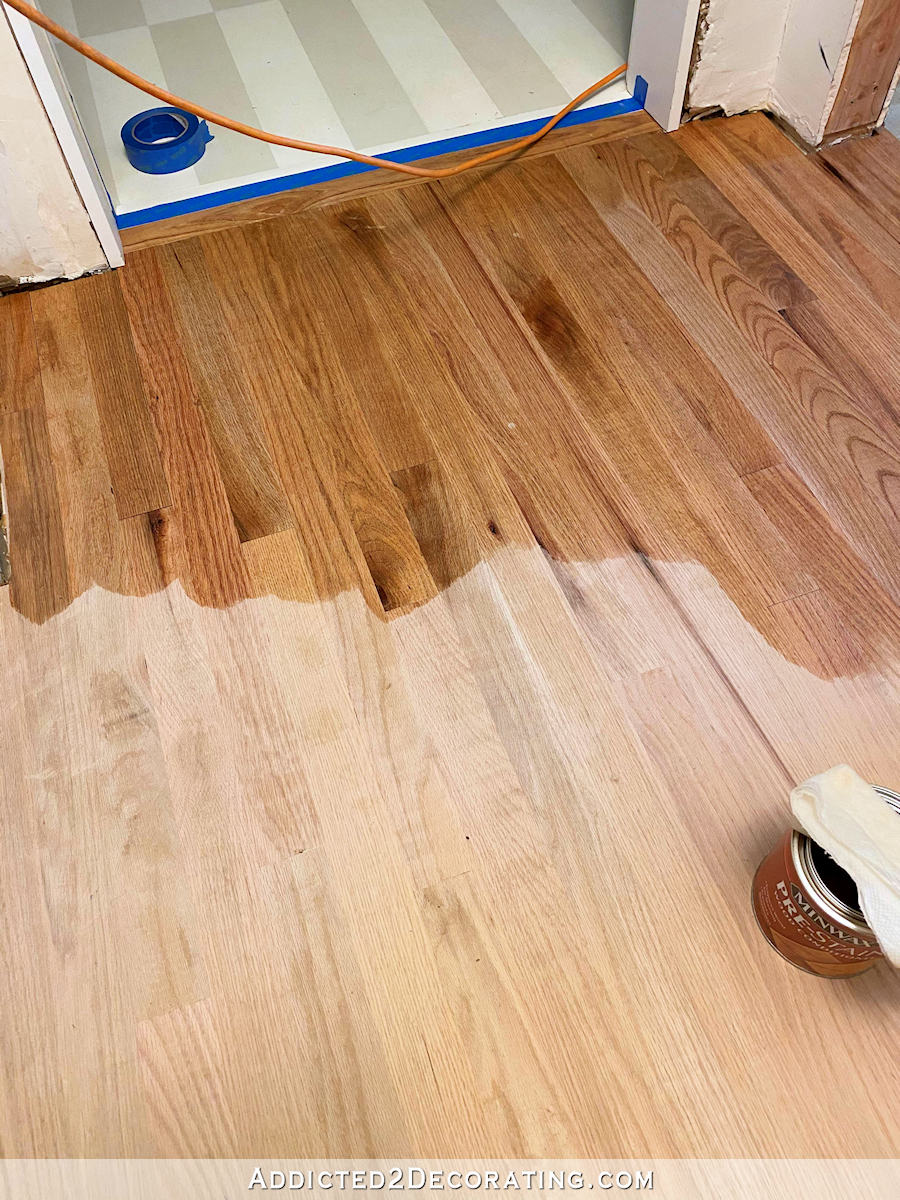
(420, 608)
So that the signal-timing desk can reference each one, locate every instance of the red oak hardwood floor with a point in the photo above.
(422, 601)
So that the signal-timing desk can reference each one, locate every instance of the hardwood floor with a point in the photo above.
(421, 606)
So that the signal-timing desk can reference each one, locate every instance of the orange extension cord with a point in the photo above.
(276, 139)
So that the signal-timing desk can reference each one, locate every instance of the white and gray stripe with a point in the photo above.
(365, 73)
(195, 60)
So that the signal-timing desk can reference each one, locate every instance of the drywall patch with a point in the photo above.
(737, 54)
(45, 232)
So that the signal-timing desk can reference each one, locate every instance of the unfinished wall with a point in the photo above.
(738, 47)
(786, 56)
(816, 42)
(871, 71)
(45, 232)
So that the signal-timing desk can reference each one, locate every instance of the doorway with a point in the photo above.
(416, 76)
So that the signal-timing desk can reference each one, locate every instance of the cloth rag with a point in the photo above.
(861, 832)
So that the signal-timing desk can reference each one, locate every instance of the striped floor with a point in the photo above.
(372, 74)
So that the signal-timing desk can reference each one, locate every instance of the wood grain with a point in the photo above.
(20, 384)
(254, 491)
(38, 581)
(864, 250)
(553, 288)
(869, 70)
(100, 546)
(723, 157)
(333, 419)
(836, 426)
(870, 168)
(139, 482)
(723, 223)
(196, 539)
(271, 377)
(395, 788)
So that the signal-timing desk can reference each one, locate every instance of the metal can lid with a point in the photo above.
(889, 797)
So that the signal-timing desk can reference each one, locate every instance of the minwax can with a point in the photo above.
(808, 907)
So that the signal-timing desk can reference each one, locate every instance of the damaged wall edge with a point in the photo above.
(816, 45)
(735, 55)
(45, 230)
(786, 57)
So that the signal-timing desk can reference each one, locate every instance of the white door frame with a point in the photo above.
(662, 40)
(662, 43)
(43, 66)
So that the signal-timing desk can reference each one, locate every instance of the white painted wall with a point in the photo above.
(786, 56)
(45, 232)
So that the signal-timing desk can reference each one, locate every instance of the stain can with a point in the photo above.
(808, 907)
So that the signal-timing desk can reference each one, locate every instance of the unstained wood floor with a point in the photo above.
(421, 606)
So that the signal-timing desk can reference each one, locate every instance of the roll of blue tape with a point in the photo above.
(162, 140)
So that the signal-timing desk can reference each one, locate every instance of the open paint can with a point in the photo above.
(808, 908)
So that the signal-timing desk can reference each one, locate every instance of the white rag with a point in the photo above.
(861, 832)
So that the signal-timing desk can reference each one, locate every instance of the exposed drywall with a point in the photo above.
(816, 42)
(785, 56)
(45, 232)
(738, 50)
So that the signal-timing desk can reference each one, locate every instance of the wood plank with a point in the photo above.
(513, 399)
(447, 379)
(100, 547)
(132, 451)
(312, 316)
(722, 221)
(449, 543)
(863, 606)
(254, 491)
(870, 167)
(386, 362)
(412, 386)
(643, 429)
(110, 883)
(278, 566)
(270, 376)
(39, 581)
(859, 375)
(834, 427)
(848, 306)
(315, 195)
(724, 281)
(20, 384)
(723, 161)
(196, 540)
(842, 228)
(870, 68)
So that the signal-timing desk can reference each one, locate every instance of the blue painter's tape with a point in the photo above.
(340, 170)
(162, 140)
